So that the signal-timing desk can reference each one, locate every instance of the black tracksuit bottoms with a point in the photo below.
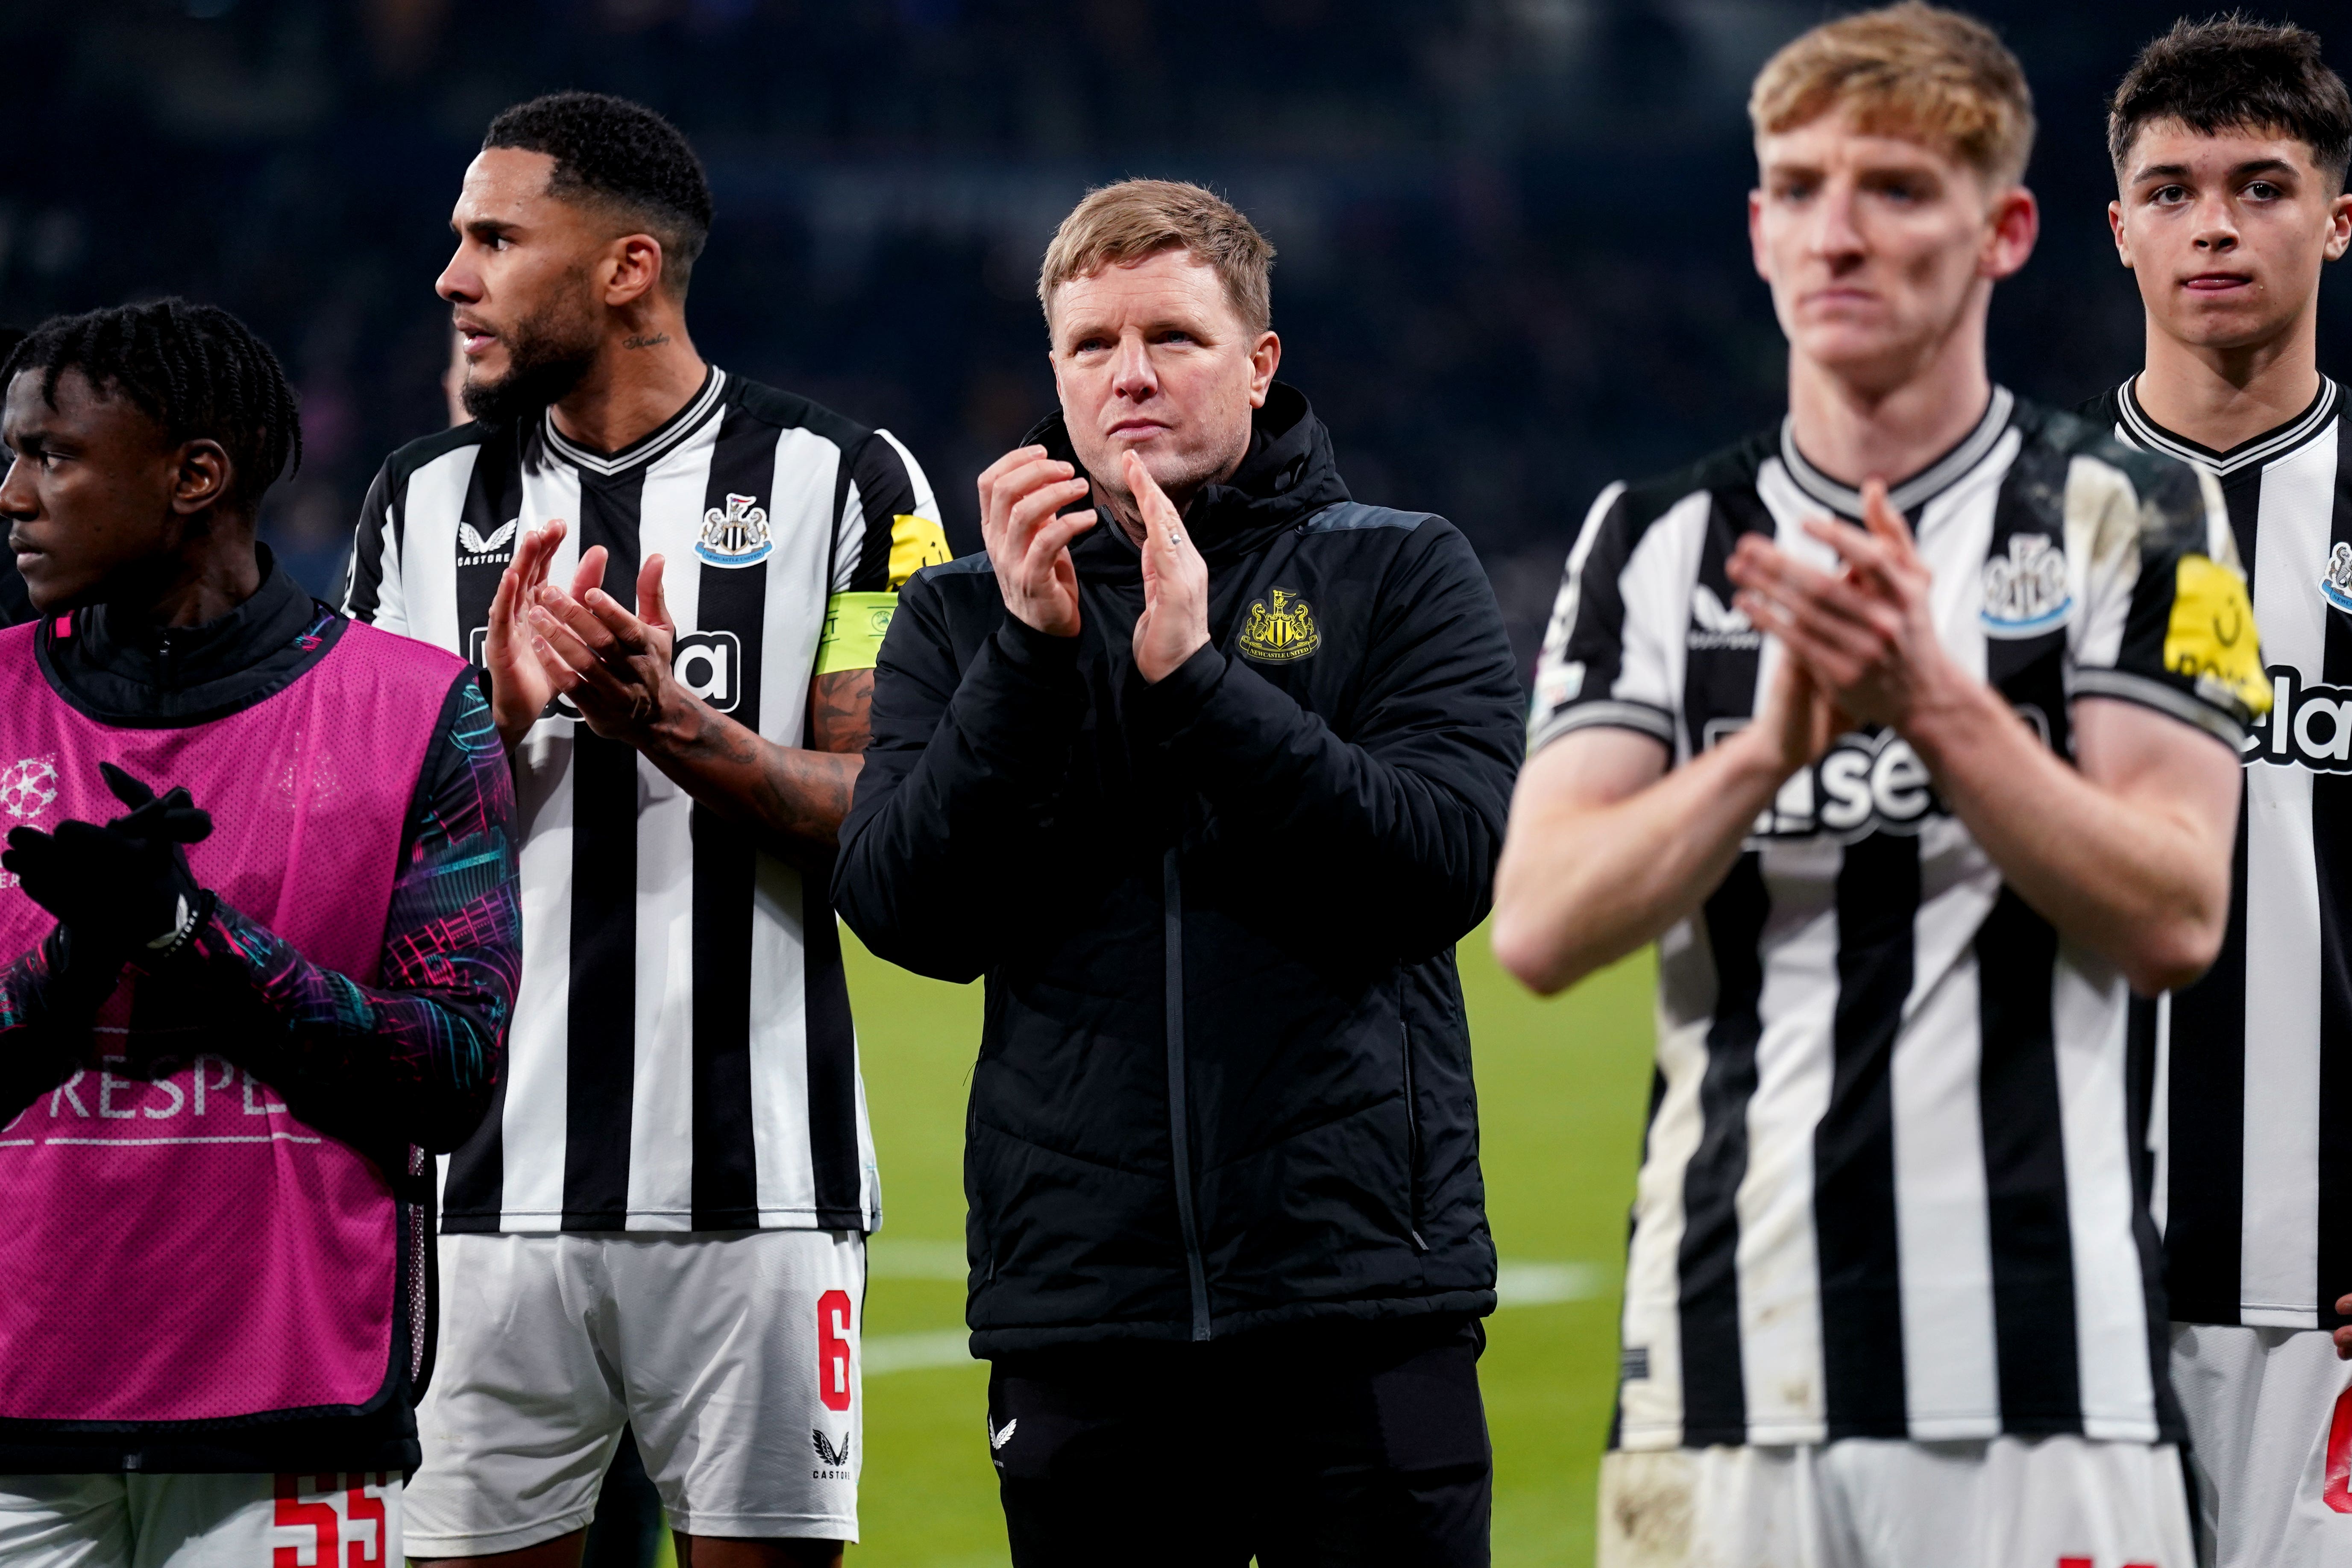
(1313, 1445)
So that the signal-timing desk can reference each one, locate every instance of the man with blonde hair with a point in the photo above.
(1909, 732)
(1208, 796)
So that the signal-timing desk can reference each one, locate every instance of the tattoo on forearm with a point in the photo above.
(798, 794)
(807, 794)
(656, 340)
(841, 711)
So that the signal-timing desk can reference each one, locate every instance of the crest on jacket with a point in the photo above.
(1281, 633)
(737, 536)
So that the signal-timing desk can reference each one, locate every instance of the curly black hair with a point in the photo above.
(608, 150)
(195, 370)
(2227, 74)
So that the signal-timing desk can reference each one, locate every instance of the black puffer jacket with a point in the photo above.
(1224, 1080)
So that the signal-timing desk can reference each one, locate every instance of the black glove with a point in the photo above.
(80, 976)
(123, 890)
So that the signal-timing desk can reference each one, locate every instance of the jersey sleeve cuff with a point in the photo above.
(2123, 686)
(1654, 722)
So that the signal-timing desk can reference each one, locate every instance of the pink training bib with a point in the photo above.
(185, 1248)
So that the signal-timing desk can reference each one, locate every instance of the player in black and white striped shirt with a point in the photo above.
(677, 579)
(2229, 141)
(1909, 786)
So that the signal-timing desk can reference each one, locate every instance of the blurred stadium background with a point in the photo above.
(1512, 267)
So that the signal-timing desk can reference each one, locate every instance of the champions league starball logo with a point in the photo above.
(28, 787)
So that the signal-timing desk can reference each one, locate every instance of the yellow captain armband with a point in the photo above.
(854, 624)
(915, 543)
(2211, 637)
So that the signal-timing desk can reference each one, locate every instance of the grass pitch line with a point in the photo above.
(917, 1353)
(888, 1258)
(1516, 1285)
(1546, 1284)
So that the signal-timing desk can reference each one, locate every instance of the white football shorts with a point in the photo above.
(2270, 1428)
(1863, 1503)
(142, 1520)
(733, 1358)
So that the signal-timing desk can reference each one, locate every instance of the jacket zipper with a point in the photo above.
(1179, 1121)
(1412, 1143)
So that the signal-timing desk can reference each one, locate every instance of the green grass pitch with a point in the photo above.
(1563, 1087)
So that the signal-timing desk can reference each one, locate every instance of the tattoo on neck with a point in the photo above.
(656, 340)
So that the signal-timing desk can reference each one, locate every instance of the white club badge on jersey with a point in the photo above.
(2025, 591)
(737, 536)
(2336, 583)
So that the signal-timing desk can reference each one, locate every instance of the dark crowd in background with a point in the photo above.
(1512, 258)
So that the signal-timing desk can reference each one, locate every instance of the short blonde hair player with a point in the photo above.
(1907, 732)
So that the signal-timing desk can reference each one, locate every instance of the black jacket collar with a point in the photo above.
(186, 675)
(1289, 476)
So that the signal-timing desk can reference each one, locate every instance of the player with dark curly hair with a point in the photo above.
(261, 899)
(662, 1223)
(612, 168)
(14, 607)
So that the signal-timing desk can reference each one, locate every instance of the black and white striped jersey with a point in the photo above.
(681, 1057)
(2254, 1190)
(1894, 1180)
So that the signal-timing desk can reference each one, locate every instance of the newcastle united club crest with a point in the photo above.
(2336, 586)
(735, 537)
(2025, 591)
(1282, 633)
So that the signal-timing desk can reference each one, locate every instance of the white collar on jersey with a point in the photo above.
(645, 448)
(1920, 488)
(2145, 432)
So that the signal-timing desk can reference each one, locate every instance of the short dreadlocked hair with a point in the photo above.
(621, 156)
(195, 370)
(2230, 74)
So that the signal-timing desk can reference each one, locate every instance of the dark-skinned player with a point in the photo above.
(260, 939)
(677, 579)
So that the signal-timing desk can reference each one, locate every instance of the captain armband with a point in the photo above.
(915, 543)
(854, 624)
